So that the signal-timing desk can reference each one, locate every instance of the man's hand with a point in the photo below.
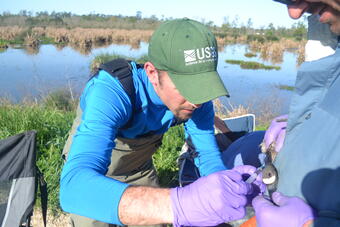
(296, 10)
(328, 10)
(276, 133)
(287, 211)
(211, 200)
(335, 4)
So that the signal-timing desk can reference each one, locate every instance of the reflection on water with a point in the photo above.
(84, 50)
(34, 73)
(32, 50)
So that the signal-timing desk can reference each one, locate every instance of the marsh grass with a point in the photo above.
(61, 100)
(32, 40)
(273, 51)
(250, 55)
(102, 58)
(11, 32)
(3, 44)
(83, 39)
(252, 65)
(266, 109)
(228, 109)
(80, 37)
(285, 87)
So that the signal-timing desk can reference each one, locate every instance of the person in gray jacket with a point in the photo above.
(308, 164)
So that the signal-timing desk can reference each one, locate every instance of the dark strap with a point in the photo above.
(177, 121)
(121, 69)
(43, 195)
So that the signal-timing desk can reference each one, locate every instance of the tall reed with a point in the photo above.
(10, 32)
(273, 51)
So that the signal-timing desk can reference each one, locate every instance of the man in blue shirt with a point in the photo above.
(106, 158)
(309, 163)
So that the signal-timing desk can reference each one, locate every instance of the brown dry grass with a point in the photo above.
(39, 31)
(87, 37)
(266, 108)
(32, 40)
(80, 37)
(230, 39)
(273, 51)
(223, 111)
(301, 53)
(10, 32)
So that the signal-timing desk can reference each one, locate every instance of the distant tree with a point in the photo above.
(235, 21)
(42, 14)
(226, 26)
(154, 18)
(139, 15)
(234, 25)
(299, 30)
(6, 13)
(23, 13)
(209, 23)
(249, 23)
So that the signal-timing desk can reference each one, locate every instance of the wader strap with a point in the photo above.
(121, 69)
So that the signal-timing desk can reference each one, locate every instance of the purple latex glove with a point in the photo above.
(276, 132)
(258, 187)
(288, 211)
(211, 200)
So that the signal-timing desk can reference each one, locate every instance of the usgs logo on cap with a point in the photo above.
(200, 55)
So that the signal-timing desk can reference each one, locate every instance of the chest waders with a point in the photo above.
(131, 159)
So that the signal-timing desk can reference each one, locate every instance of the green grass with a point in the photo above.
(99, 59)
(262, 127)
(250, 55)
(3, 44)
(16, 42)
(285, 87)
(46, 40)
(20, 41)
(252, 65)
(61, 100)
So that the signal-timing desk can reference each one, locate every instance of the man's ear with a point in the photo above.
(151, 72)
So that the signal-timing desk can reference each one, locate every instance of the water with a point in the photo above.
(23, 74)
(257, 88)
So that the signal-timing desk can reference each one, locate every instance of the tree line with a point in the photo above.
(233, 28)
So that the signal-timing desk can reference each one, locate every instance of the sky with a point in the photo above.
(261, 12)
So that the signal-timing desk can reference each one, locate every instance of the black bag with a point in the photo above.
(19, 177)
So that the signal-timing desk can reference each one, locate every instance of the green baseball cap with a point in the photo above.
(187, 51)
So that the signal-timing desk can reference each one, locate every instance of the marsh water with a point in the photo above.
(34, 73)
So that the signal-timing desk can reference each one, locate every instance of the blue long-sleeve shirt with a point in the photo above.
(84, 188)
